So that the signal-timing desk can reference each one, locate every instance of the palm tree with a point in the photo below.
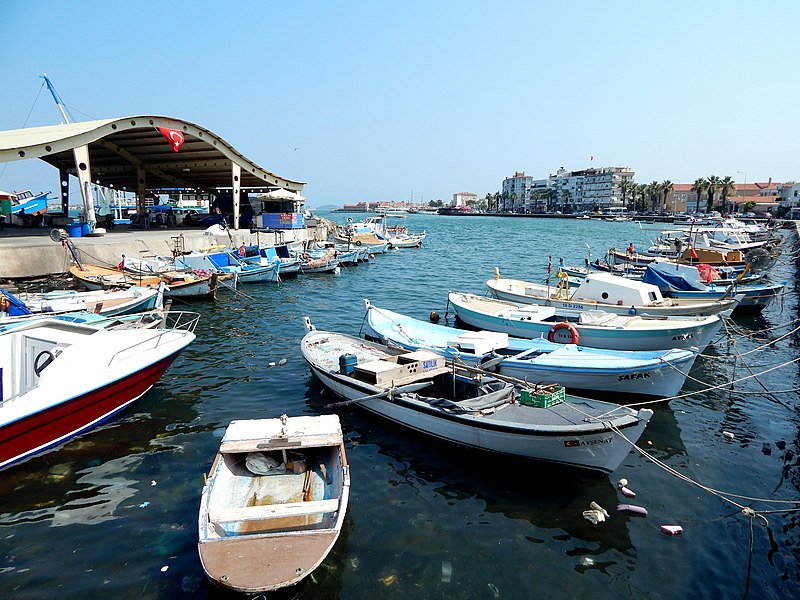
(566, 195)
(513, 202)
(699, 187)
(488, 201)
(496, 201)
(727, 188)
(653, 191)
(533, 199)
(713, 186)
(666, 189)
(549, 197)
(625, 186)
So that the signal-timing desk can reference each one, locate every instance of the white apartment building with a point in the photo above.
(567, 191)
(461, 198)
(789, 197)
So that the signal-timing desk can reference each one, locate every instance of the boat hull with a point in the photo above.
(229, 562)
(581, 370)
(697, 335)
(42, 431)
(693, 306)
(599, 451)
(264, 525)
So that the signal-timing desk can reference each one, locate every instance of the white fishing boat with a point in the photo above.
(108, 303)
(593, 328)
(273, 504)
(50, 396)
(603, 291)
(423, 392)
(582, 370)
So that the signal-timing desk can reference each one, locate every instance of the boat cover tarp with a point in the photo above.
(16, 307)
(670, 279)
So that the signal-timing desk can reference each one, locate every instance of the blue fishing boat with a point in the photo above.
(657, 374)
(289, 259)
(684, 282)
(225, 261)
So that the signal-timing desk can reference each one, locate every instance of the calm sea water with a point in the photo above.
(114, 512)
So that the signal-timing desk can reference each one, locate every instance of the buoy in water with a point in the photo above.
(372, 256)
(434, 317)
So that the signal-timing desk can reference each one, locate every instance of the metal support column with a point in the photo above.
(141, 190)
(63, 185)
(236, 172)
(84, 171)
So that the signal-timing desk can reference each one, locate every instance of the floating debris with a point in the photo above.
(632, 508)
(272, 364)
(144, 504)
(282, 362)
(728, 435)
(586, 561)
(389, 579)
(153, 482)
(597, 514)
(494, 590)
(595, 506)
(626, 491)
(447, 571)
(165, 568)
(672, 529)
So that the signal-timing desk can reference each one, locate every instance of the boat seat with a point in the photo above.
(592, 317)
(272, 511)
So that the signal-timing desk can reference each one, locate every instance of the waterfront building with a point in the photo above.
(765, 195)
(463, 198)
(590, 189)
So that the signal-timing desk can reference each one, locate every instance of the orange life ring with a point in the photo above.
(564, 325)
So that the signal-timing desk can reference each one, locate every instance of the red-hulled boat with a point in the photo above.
(59, 378)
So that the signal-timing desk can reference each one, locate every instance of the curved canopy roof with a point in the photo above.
(118, 146)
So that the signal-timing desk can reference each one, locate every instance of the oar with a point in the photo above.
(506, 378)
(403, 389)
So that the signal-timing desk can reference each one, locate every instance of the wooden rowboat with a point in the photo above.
(179, 284)
(274, 502)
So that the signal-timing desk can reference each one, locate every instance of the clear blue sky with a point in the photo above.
(371, 100)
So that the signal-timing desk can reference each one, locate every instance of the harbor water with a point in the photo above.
(113, 513)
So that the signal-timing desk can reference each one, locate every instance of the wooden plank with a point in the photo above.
(277, 443)
(272, 511)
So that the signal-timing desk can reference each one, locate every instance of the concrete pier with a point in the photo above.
(30, 253)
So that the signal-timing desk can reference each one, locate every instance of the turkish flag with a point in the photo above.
(693, 253)
(174, 136)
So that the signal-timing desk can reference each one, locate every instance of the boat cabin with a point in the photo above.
(612, 289)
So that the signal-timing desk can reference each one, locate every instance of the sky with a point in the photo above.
(418, 100)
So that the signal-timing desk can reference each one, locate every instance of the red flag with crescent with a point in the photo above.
(174, 136)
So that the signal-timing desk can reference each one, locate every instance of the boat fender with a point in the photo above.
(573, 332)
(490, 363)
(39, 367)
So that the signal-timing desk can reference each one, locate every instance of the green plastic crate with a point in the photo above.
(540, 398)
